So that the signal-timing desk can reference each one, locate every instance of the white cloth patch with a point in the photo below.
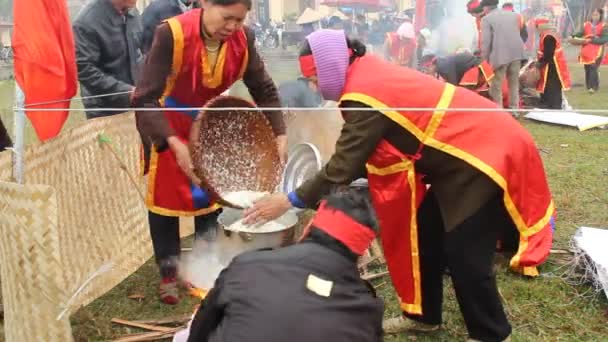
(581, 121)
(319, 286)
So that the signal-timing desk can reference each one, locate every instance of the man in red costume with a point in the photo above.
(484, 171)
(554, 73)
(194, 57)
(465, 70)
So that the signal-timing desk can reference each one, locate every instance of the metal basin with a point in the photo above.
(232, 243)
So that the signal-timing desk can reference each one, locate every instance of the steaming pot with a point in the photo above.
(232, 243)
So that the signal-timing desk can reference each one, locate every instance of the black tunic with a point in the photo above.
(263, 296)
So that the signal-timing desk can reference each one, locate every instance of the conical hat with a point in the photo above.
(309, 16)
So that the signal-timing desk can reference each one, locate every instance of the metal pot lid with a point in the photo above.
(303, 163)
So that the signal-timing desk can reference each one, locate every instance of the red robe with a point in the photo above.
(192, 83)
(560, 61)
(400, 50)
(494, 143)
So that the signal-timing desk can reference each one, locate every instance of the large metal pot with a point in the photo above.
(232, 243)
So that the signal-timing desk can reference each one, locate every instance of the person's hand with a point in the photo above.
(587, 40)
(282, 148)
(184, 160)
(267, 208)
(131, 95)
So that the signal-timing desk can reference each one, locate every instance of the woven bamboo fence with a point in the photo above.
(74, 230)
(78, 226)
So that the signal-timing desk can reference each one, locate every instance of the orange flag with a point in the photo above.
(45, 61)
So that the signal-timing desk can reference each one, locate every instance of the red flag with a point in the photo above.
(420, 16)
(45, 61)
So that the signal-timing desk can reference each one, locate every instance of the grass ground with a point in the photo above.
(542, 309)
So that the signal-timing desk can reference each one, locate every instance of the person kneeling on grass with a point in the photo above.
(310, 291)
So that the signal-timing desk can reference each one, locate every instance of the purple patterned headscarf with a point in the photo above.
(330, 53)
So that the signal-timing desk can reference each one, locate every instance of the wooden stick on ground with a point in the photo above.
(141, 325)
(169, 320)
(149, 336)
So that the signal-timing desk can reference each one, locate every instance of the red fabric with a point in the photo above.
(401, 50)
(605, 60)
(560, 62)
(307, 66)
(473, 4)
(494, 143)
(45, 61)
(170, 190)
(343, 228)
(392, 197)
(420, 15)
(591, 52)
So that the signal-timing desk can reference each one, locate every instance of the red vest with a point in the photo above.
(400, 50)
(560, 64)
(591, 52)
(478, 77)
(191, 84)
(492, 142)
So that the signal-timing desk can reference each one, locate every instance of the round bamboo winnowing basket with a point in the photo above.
(234, 150)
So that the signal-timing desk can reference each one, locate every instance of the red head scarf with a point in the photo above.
(343, 228)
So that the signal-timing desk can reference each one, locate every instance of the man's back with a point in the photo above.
(108, 50)
(300, 293)
(501, 39)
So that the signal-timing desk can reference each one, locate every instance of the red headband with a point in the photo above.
(472, 5)
(308, 66)
(343, 228)
(541, 21)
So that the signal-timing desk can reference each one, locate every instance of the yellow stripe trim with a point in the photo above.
(442, 105)
(391, 169)
(164, 211)
(213, 77)
(178, 56)
(456, 152)
(417, 306)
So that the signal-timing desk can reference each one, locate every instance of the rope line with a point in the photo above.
(314, 109)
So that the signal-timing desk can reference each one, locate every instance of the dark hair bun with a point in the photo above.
(357, 46)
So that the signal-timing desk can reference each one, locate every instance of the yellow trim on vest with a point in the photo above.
(444, 103)
(401, 166)
(213, 77)
(178, 56)
(150, 194)
(416, 308)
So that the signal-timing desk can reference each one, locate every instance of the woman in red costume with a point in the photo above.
(595, 33)
(194, 57)
(484, 171)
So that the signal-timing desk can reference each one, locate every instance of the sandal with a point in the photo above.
(168, 291)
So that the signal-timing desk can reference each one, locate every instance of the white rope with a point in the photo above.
(76, 98)
(313, 109)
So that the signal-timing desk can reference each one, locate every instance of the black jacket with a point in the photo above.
(271, 295)
(108, 50)
(5, 139)
(453, 67)
(153, 15)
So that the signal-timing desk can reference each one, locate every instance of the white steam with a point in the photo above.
(456, 31)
